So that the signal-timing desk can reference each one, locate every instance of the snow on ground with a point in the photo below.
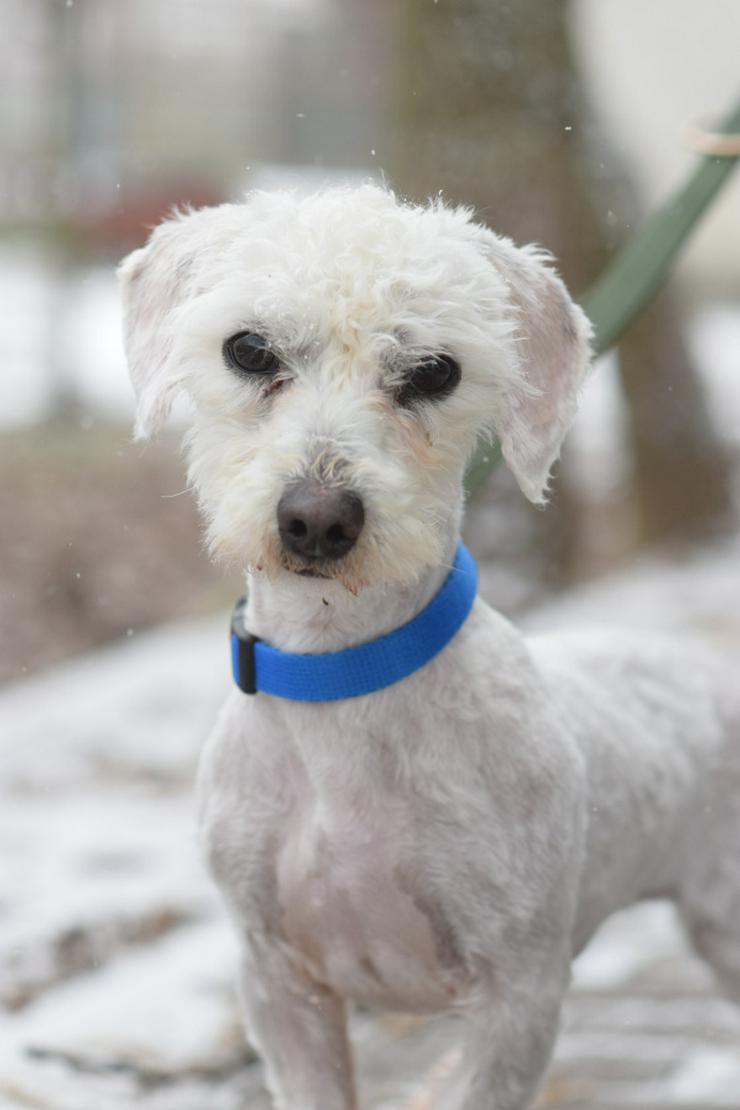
(688, 592)
(116, 963)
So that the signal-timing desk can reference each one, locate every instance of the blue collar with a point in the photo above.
(366, 667)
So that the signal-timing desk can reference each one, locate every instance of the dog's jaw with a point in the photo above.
(310, 614)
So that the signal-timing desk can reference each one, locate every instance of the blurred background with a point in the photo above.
(562, 122)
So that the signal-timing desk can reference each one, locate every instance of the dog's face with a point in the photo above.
(342, 353)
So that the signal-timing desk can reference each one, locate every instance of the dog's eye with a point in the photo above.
(250, 353)
(435, 376)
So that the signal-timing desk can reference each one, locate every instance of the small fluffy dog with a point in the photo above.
(452, 839)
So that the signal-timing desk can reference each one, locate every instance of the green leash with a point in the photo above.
(639, 270)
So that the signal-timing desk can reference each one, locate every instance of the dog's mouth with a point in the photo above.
(307, 567)
(332, 570)
(311, 572)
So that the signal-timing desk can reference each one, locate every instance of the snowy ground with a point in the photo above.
(115, 960)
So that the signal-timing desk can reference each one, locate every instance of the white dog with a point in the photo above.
(451, 838)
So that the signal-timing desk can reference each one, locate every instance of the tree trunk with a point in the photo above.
(488, 107)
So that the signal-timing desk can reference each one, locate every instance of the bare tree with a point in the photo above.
(487, 105)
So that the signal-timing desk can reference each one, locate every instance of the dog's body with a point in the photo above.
(452, 840)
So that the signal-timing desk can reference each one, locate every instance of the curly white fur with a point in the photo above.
(450, 841)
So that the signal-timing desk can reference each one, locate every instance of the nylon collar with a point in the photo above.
(328, 676)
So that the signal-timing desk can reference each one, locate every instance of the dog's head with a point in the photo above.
(343, 352)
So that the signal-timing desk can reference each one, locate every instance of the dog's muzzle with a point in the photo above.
(319, 522)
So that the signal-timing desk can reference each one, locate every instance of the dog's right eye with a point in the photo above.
(432, 377)
(250, 354)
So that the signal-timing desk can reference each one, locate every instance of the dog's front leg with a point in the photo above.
(510, 1027)
(299, 1029)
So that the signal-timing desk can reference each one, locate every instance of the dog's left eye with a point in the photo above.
(435, 376)
(250, 353)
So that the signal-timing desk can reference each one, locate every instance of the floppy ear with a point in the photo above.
(552, 343)
(153, 282)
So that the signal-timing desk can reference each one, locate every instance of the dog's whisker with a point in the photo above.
(169, 496)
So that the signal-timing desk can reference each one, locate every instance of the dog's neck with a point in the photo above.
(300, 614)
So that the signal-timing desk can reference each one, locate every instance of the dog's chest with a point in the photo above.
(356, 913)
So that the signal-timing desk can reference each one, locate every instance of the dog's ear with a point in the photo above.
(153, 283)
(552, 344)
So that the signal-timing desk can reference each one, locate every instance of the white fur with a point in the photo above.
(450, 841)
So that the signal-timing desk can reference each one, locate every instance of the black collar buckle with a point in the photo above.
(242, 650)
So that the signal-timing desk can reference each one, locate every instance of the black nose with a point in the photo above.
(318, 521)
